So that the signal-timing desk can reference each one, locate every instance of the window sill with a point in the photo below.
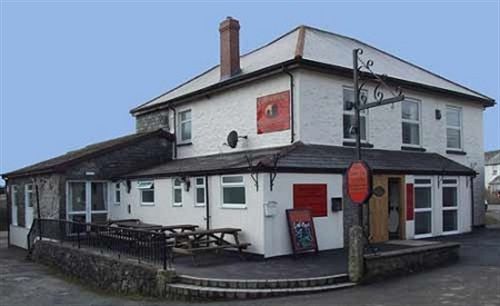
(183, 144)
(117, 203)
(456, 152)
(177, 205)
(199, 205)
(147, 204)
(234, 206)
(414, 149)
(353, 144)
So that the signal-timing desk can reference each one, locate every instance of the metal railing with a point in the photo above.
(145, 246)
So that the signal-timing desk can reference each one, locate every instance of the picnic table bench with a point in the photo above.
(197, 241)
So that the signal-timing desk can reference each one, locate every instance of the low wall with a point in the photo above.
(400, 262)
(105, 272)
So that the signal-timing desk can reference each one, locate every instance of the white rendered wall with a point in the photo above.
(320, 114)
(488, 173)
(19, 236)
(329, 229)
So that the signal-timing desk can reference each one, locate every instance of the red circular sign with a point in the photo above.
(359, 182)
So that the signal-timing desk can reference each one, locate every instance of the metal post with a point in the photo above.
(39, 214)
(357, 123)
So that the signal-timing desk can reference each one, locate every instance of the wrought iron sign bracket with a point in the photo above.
(253, 174)
(274, 172)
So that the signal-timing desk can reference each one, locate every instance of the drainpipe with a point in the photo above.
(207, 204)
(472, 201)
(175, 129)
(292, 130)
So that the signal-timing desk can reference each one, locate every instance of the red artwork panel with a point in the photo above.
(273, 112)
(410, 205)
(311, 196)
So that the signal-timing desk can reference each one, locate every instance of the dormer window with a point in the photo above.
(184, 135)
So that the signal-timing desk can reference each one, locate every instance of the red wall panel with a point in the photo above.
(273, 112)
(312, 196)
(410, 202)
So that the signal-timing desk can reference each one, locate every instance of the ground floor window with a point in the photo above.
(147, 192)
(29, 201)
(200, 191)
(117, 194)
(450, 205)
(423, 206)
(233, 191)
(177, 191)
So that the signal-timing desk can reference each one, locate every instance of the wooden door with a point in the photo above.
(379, 210)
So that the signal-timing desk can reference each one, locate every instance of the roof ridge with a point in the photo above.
(299, 49)
(399, 59)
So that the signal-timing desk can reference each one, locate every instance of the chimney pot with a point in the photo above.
(229, 48)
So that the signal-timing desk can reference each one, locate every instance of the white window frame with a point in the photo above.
(174, 188)
(427, 209)
(181, 122)
(448, 208)
(117, 189)
(237, 184)
(363, 113)
(13, 204)
(87, 212)
(28, 196)
(146, 185)
(418, 122)
(459, 128)
(200, 186)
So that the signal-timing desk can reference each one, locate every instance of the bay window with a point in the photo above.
(410, 117)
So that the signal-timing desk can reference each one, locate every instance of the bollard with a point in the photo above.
(356, 260)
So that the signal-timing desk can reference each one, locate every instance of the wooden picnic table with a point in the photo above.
(171, 229)
(193, 242)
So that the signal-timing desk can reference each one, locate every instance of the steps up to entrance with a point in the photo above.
(196, 288)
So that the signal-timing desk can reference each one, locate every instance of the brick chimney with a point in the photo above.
(229, 48)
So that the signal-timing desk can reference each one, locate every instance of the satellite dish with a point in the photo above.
(232, 139)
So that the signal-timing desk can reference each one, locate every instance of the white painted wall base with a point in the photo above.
(18, 236)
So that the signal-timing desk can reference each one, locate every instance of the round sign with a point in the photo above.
(358, 182)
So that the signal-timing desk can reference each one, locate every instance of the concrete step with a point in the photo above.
(193, 292)
(263, 283)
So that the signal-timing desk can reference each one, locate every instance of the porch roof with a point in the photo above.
(308, 158)
(60, 162)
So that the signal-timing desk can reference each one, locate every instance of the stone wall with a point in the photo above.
(104, 272)
(152, 121)
(400, 262)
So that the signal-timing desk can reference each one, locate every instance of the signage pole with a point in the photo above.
(357, 124)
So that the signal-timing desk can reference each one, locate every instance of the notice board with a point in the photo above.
(302, 232)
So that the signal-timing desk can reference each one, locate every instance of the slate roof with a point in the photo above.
(319, 46)
(492, 158)
(51, 165)
(306, 158)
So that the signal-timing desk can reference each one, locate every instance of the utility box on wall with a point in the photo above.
(336, 204)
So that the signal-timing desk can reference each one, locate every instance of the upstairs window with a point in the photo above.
(348, 117)
(200, 195)
(177, 192)
(117, 193)
(185, 126)
(453, 127)
(147, 190)
(410, 117)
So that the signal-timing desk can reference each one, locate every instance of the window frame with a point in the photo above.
(143, 188)
(200, 186)
(362, 114)
(180, 122)
(117, 190)
(174, 188)
(450, 208)
(229, 185)
(14, 205)
(426, 209)
(411, 121)
(459, 128)
(28, 197)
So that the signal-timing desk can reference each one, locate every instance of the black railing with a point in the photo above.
(146, 246)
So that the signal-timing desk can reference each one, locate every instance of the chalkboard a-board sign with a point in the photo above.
(301, 228)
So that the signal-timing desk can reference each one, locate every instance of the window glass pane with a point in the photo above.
(117, 196)
(450, 220)
(200, 195)
(177, 182)
(177, 195)
(423, 223)
(145, 185)
(453, 117)
(98, 196)
(409, 110)
(77, 196)
(234, 195)
(411, 133)
(186, 130)
(453, 138)
(348, 122)
(450, 197)
(186, 115)
(423, 197)
(200, 181)
(232, 179)
(422, 181)
(148, 196)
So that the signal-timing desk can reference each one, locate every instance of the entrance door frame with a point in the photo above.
(88, 200)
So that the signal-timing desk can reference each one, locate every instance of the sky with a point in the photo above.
(72, 70)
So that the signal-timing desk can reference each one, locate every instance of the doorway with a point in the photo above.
(394, 206)
(87, 201)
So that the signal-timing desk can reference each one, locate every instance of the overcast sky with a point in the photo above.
(71, 71)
